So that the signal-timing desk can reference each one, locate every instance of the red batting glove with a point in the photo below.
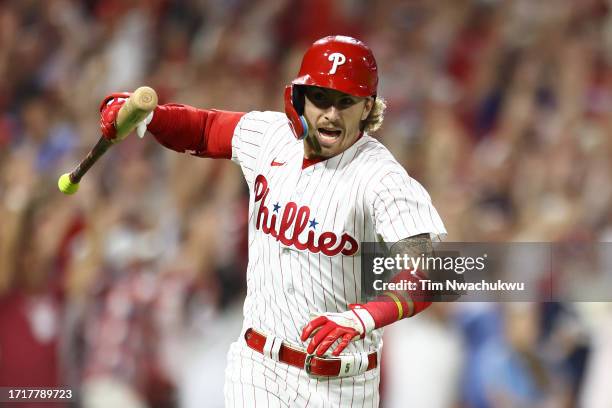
(109, 109)
(327, 328)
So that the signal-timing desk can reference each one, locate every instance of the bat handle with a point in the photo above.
(68, 183)
(83, 167)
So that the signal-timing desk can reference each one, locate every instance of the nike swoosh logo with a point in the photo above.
(275, 163)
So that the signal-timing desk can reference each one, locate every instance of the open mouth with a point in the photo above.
(328, 136)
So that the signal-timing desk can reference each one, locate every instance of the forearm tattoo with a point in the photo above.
(420, 246)
(416, 246)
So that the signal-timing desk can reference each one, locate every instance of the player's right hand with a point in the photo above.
(109, 109)
(326, 328)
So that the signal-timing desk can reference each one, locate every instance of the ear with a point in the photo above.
(367, 108)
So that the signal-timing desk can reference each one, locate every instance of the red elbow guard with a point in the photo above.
(183, 128)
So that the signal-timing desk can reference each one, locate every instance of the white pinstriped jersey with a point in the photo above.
(306, 225)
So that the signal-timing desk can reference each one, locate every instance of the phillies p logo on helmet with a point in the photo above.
(337, 59)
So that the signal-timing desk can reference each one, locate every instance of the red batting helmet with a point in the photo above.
(335, 62)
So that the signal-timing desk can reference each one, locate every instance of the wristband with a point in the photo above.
(398, 303)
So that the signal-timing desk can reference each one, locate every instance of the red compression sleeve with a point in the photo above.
(205, 133)
(387, 310)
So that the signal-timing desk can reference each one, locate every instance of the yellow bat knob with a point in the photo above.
(66, 186)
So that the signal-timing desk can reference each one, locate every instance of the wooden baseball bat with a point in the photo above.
(133, 111)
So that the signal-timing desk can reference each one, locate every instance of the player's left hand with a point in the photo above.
(327, 328)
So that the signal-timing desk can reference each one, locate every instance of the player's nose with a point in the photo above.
(332, 114)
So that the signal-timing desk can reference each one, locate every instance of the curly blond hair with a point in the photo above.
(375, 119)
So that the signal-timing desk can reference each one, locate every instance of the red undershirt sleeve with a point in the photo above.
(201, 132)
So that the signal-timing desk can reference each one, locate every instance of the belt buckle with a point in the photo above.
(308, 367)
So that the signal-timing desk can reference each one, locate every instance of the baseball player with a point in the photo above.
(319, 185)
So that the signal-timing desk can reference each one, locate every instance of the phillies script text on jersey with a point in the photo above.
(328, 242)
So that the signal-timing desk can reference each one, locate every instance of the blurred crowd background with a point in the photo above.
(130, 291)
